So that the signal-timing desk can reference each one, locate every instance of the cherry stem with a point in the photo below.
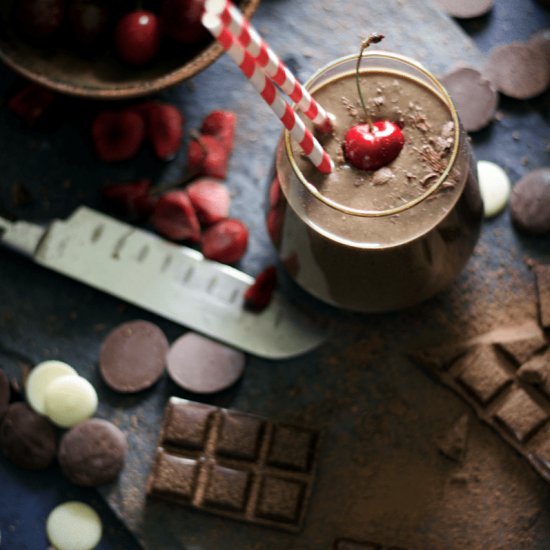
(374, 38)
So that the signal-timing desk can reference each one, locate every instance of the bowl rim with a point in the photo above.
(193, 67)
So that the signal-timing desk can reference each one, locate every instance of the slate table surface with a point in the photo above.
(43, 315)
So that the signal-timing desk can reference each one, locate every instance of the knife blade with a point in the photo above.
(173, 281)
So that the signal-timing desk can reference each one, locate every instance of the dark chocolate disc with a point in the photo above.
(465, 9)
(132, 357)
(530, 202)
(4, 394)
(541, 41)
(27, 438)
(518, 70)
(92, 453)
(201, 365)
(474, 96)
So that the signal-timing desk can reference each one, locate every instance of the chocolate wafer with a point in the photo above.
(514, 402)
(234, 464)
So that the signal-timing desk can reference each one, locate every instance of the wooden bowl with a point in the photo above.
(103, 76)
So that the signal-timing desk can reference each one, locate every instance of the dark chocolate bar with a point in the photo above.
(542, 275)
(350, 544)
(514, 401)
(234, 464)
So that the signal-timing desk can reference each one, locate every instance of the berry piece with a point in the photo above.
(30, 102)
(181, 21)
(40, 20)
(207, 157)
(117, 135)
(137, 37)
(210, 199)
(175, 218)
(221, 125)
(370, 148)
(164, 127)
(130, 200)
(225, 241)
(258, 296)
(88, 21)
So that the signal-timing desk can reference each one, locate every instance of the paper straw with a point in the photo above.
(292, 122)
(267, 59)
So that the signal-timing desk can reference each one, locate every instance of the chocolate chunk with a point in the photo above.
(541, 41)
(4, 394)
(474, 96)
(521, 351)
(453, 443)
(542, 275)
(92, 453)
(530, 202)
(132, 357)
(201, 365)
(518, 70)
(27, 438)
(537, 372)
(465, 9)
(521, 414)
(481, 372)
(234, 464)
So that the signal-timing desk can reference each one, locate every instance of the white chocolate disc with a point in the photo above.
(74, 526)
(70, 400)
(40, 378)
(495, 187)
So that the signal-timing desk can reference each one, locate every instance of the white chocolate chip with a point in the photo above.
(74, 526)
(494, 186)
(40, 378)
(70, 400)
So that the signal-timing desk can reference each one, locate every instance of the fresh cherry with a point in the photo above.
(88, 21)
(137, 37)
(40, 19)
(181, 21)
(369, 147)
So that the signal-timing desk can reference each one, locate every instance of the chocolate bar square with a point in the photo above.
(537, 372)
(174, 476)
(280, 499)
(482, 373)
(227, 488)
(240, 436)
(291, 447)
(521, 351)
(521, 414)
(542, 275)
(187, 426)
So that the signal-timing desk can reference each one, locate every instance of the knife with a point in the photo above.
(173, 281)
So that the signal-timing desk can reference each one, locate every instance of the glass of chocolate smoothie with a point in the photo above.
(387, 239)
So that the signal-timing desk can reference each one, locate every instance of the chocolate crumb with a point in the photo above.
(20, 195)
(453, 443)
(382, 176)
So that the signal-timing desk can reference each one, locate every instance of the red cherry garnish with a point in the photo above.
(371, 147)
(137, 37)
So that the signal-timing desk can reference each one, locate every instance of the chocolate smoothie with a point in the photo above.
(355, 254)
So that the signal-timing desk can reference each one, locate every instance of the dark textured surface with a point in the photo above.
(379, 413)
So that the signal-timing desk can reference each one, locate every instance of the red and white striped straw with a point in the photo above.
(292, 122)
(267, 59)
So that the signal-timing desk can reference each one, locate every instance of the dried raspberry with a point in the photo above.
(117, 135)
(210, 199)
(225, 241)
(164, 127)
(258, 296)
(31, 102)
(221, 125)
(130, 200)
(175, 218)
(207, 157)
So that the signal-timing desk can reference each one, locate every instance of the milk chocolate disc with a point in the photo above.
(541, 41)
(92, 453)
(530, 202)
(518, 70)
(132, 357)
(474, 96)
(200, 365)
(4, 394)
(465, 9)
(27, 438)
